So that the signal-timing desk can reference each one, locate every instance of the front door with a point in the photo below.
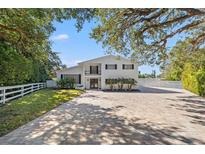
(93, 83)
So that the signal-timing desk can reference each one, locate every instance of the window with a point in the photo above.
(77, 77)
(93, 69)
(111, 66)
(128, 66)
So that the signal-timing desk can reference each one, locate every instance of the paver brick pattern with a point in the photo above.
(151, 116)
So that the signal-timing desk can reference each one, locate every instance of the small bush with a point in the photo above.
(120, 83)
(131, 82)
(66, 83)
(110, 82)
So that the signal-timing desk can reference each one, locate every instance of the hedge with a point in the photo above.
(193, 79)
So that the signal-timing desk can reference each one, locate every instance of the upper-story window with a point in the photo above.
(110, 66)
(94, 70)
(127, 66)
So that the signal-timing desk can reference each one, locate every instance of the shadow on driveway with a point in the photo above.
(194, 107)
(74, 123)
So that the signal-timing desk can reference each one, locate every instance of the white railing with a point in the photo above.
(11, 92)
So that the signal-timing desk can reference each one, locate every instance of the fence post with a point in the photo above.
(22, 91)
(38, 86)
(4, 96)
(32, 88)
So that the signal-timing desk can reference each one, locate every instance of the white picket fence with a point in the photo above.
(11, 92)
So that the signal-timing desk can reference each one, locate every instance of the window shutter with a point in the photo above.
(90, 69)
(132, 66)
(115, 66)
(123, 66)
(106, 66)
(79, 79)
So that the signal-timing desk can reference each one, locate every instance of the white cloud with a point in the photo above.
(61, 37)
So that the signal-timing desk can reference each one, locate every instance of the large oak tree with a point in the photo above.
(144, 33)
(26, 54)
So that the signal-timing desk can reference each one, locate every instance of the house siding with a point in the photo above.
(105, 73)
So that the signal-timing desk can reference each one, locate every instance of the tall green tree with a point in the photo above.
(26, 54)
(181, 54)
(14, 67)
(144, 33)
(188, 66)
(140, 33)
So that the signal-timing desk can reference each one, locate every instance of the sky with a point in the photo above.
(74, 47)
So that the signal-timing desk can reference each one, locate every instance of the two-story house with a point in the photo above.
(92, 74)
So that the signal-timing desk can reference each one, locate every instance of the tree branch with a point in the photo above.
(187, 27)
(13, 30)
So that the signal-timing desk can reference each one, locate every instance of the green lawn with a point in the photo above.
(29, 107)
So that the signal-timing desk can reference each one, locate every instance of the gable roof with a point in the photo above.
(117, 57)
(69, 68)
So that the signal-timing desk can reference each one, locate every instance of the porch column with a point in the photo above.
(83, 77)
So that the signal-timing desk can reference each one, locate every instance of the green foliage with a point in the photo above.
(120, 82)
(144, 33)
(200, 76)
(66, 83)
(61, 83)
(15, 68)
(18, 112)
(131, 83)
(187, 65)
(141, 75)
(29, 29)
(193, 79)
(25, 48)
(178, 57)
(146, 75)
(110, 82)
(18, 69)
(189, 80)
(173, 73)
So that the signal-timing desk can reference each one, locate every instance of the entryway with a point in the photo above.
(94, 83)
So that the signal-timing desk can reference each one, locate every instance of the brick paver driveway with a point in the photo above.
(152, 116)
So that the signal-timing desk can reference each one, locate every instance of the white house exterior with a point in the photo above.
(93, 73)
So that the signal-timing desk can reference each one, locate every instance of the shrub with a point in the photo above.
(61, 83)
(200, 76)
(110, 82)
(121, 82)
(67, 83)
(193, 79)
(71, 83)
(131, 82)
(189, 79)
(15, 68)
